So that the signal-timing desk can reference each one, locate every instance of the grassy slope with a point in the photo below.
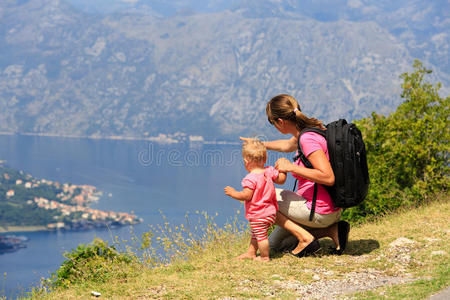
(370, 257)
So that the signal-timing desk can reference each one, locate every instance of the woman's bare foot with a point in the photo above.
(263, 259)
(333, 234)
(300, 246)
(246, 255)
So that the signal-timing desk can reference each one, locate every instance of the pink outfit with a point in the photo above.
(264, 201)
(311, 142)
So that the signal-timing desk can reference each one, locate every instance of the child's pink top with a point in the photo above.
(312, 142)
(264, 200)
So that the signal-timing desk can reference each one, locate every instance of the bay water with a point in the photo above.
(145, 178)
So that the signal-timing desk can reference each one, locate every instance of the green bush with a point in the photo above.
(407, 151)
(95, 262)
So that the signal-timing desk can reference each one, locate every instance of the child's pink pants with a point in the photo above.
(260, 227)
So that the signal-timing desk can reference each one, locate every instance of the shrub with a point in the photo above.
(95, 262)
(407, 151)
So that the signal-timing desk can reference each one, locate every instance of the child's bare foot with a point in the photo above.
(246, 255)
(263, 259)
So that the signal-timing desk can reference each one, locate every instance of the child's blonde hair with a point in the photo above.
(255, 151)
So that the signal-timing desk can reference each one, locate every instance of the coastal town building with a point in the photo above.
(87, 213)
(68, 204)
(58, 225)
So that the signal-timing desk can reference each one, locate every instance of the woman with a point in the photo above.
(284, 113)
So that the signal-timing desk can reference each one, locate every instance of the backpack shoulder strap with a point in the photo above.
(301, 154)
(314, 129)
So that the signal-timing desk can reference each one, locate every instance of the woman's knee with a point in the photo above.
(289, 203)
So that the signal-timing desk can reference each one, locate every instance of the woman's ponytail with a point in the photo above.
(285, 107)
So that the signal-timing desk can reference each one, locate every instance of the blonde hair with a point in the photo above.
(255, 151)
(287, 108)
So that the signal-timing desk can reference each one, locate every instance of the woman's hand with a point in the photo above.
(284, 165)
(321, 172)
(246, 139)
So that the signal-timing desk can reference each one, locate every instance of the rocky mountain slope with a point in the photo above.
(65, 70)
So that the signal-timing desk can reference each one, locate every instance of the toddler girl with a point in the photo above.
(259, 196)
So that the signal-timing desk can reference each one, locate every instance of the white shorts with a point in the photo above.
(293, 206)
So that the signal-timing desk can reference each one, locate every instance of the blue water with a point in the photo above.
(135, 176)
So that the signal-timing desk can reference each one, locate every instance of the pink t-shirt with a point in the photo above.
(312, 142)
(264, 200)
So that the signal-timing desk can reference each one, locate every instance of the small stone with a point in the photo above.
(432, 240)
(316, 277)
(401, 241)
(405, 257)
(439, 252)
(96, 294)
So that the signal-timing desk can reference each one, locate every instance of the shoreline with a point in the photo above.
(11, 229)
(119, 138)
(21, 229)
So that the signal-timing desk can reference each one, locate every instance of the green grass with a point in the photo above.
(207, 270)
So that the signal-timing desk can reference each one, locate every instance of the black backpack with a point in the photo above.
(347, 154)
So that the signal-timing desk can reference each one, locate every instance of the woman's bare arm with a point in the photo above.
(289, 145)
(321, 173)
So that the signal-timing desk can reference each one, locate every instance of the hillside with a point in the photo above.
(401, 256)
(139, 68)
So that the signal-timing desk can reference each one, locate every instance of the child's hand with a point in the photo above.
(229, 191)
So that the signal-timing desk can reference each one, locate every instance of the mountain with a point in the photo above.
(422, 26)
(142, 68)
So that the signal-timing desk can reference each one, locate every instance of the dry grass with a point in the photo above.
(422, 266)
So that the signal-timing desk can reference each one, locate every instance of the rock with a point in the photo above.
(401, 241)
(316, 277)
(432, 240)
(439, 252)
(276, 277)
